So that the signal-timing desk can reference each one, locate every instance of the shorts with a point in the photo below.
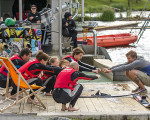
(145, 79)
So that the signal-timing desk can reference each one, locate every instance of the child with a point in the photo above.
(64, 63)
(54, 61)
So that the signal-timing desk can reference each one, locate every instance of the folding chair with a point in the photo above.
(20, 82)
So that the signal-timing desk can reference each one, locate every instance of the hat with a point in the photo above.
(9, 21)
(34, 6)
(67, 14)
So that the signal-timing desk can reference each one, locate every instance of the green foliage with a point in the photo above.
(108, 15)
(120, 6)
(93, 5)
(87, 18)
(77, 18)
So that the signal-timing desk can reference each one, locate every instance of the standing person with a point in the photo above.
(34, 16)
(68, 28)
(137, 69)
(32, 69)
(18, 61)
(67, 90)
(77, 56)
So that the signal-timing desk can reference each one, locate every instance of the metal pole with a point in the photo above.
(76, 9)
(95, 42)
(60, 28)
(70, 9)
(20, 10)
(82, 10)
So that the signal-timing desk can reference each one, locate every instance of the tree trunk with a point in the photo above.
(128, 3)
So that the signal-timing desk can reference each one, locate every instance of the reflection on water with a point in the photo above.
(117, 54)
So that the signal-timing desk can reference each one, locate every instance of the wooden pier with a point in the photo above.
(90, 107)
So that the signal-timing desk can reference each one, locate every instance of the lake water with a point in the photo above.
(117, 54)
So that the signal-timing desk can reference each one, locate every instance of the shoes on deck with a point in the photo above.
(140, 91)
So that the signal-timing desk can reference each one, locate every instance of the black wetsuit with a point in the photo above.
(65, 95)
(53, 75)
(38, 81)
(82, 66)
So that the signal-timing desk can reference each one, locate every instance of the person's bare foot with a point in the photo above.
(48, 94)
(64, 107)
(72, 109)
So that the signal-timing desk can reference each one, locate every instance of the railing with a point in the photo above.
(94, 36)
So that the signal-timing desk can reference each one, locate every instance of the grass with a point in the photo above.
(97, 4)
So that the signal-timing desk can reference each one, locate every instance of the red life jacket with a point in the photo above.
(70, 56)
(29, 74)
(3, 69)
(45, 76)
(63, 79)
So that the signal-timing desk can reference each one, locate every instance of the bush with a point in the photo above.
(108, 15)
(87, 18)
(120, 6)
(77, 18)
(95, 9)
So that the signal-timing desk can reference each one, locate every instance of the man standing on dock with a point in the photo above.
(137, 69)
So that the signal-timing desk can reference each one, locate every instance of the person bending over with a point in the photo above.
(64, 63)
(67, 90)
(32, 69)
(137, 69)
(77, 56)
(18, 61)
(53, 62)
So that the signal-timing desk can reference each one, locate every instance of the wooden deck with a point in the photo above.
(88, 106)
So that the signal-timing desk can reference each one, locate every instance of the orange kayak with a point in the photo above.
(110, 40)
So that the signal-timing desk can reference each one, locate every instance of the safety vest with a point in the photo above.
(63, 79)
(69, 56)
(29, 74)
(45, 76)
(3, 69)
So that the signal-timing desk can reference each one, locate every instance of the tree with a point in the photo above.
(128, 3)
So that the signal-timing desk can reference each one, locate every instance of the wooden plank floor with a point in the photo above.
(87, 105)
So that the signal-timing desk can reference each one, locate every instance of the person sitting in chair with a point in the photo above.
(68, 28)
(18, 61)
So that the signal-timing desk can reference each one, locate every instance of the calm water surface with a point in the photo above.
(117, 54)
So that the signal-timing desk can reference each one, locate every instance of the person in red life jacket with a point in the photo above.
(18, 61)
(32, 69)
(77, 56)
(67, 90)
(53, 62)
(64, 63)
